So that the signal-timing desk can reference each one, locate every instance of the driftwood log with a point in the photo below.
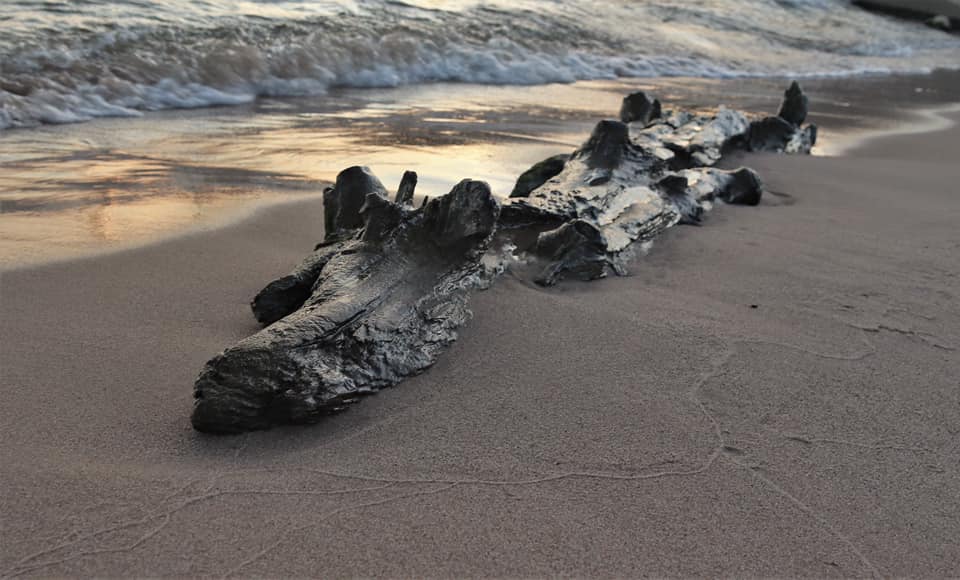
(376, 302)
(384, 293)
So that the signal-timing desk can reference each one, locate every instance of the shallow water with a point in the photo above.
(71, 190)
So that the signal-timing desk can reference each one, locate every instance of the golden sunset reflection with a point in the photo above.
(128, 181)
(77, 189)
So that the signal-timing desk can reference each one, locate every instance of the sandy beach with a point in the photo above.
(771, 394)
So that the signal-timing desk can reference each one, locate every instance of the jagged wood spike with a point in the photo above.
(408, 183)
(793, 108)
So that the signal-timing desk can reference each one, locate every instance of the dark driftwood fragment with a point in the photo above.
(793, 109)
(383, 306)
(770, 133)
(577, 249)
(784, 133)
(284, 295)
(639, 108)
(408, 183)
(775, 135)
(740, 187)
(676, 188)
(342, 202)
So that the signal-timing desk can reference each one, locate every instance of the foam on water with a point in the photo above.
(67, 61)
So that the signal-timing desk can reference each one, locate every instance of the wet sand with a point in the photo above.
(773, 393)
(73, 190)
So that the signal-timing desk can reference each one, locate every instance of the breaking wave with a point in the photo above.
(67, 61)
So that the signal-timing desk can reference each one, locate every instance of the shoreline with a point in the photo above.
(494, 132)
(928, 120)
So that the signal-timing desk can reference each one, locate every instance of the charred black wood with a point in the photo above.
(785, 132)
(676, 188)
(342, 221)
(285, 295)
(342, 202)
(741, 186)
(775, 135)
(623, 186)
(577, 249)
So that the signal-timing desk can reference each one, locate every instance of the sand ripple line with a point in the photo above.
(879, 447)
(165, 516)
(324, 517)
(874, 571)
(21, 567)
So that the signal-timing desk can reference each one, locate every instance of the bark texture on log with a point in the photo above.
(382, 307)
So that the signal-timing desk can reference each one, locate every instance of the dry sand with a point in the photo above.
(774, 393)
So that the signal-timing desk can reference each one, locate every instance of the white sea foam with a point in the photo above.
(66, 62)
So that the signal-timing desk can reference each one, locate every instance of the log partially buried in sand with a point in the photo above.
(385, 292)
(631, 181)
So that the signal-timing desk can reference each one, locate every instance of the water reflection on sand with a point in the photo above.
(77, 189)
(74, 189)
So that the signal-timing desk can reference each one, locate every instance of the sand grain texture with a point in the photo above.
(658, 424)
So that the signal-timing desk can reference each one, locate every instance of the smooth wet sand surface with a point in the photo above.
(774, 393)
